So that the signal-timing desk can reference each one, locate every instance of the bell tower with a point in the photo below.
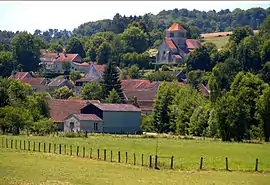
(178, 35)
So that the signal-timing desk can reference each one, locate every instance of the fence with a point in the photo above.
(151, 161)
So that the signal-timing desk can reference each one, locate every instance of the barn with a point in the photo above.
(105, 118)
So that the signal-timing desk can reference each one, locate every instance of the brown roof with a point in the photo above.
(85, 117)
(33, 81)
(116, 107)
(170, 44)
(204, 90)
(141, 95)
(60, 109)
(55, 57)
(135, 84)
(57, 82)
(176, 27)
(192, 43)
(19, 75)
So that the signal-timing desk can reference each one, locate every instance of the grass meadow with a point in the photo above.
(21, 167)
(219, 41)
(187, 153)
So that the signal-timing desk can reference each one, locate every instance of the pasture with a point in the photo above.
(187, 153)
(218, 41)
(21, 167)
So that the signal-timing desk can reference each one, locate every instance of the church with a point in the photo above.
(175, 46)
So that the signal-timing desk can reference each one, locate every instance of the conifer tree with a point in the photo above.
(111, 80)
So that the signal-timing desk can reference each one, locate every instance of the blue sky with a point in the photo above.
(28, 16)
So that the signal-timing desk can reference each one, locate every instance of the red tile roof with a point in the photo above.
(81, 64)
(86, 117)
(54, 57)
(60, 109)
(135, 84)
(33, 81)
(176, 27)
(141, 95)
(192, 43)
(170, 44)
(19, 75)
(116, 107)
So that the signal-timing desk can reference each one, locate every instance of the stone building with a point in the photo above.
(175, 46)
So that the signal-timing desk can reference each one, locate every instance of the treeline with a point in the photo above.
(238, 78)
(23, 109)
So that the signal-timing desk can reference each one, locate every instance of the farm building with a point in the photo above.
(93, 116)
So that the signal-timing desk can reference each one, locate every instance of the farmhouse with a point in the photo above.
(93, 116)
(54, 62)
(175, 46)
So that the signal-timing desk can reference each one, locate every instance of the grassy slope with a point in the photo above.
(187, 153)
(36, 168)
(219, 41)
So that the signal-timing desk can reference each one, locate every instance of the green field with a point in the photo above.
(20, 167)
(219, 41)
(186, 153)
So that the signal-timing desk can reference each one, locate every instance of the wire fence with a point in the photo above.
(151, 161)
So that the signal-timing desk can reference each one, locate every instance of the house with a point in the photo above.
(93, 116)
(61, 109)
(95, 73)
(176, 46)
(60, 83)
(54, 62)
(116, 118)
(141, 92)
(38, 84)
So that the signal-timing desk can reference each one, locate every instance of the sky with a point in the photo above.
(31, 15)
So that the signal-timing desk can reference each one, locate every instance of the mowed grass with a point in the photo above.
(187, 153)
(21, 167)
(218, 41)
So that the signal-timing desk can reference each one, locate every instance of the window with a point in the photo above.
(71, 126)
(95, 126)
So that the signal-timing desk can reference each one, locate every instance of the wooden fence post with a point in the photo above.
(201, 163)
(38, 146)
(227, 165)
(78, 151)
(34, 147)
(256, 165)
(20, 144)
(3, 142)
(119, 157)
(65, 149)
(49, 147)
(126, 157)
(104, 155)
(172, 162)
(44, 147)
(134, 158)
(24, 144)
(111, 156)
(54, 148)
(156, 162)
(60, 148)
(83, 151)
(142, 159)
(11, 143)
(90, 155)
(70, 150)
(15, 143)
(29, 145)
(150, 161)
(6, 142)
(98, 154)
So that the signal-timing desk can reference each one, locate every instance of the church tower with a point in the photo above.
(178, 34)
